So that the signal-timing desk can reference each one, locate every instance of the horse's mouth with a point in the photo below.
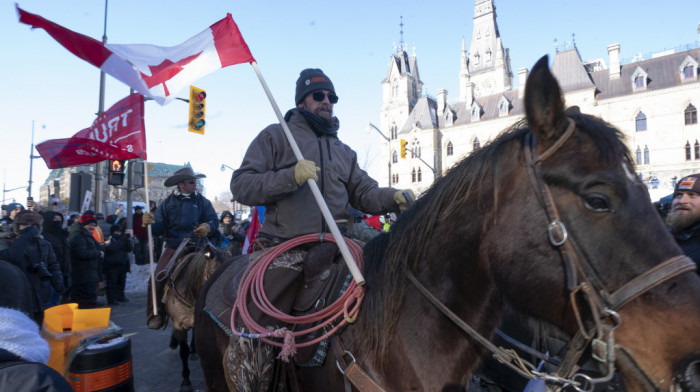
(687, 376)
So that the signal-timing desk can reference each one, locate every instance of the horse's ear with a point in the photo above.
(544, 106)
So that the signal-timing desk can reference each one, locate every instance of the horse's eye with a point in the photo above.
(596, 204)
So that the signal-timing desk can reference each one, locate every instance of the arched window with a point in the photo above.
(413, 175)
(394, 178)
(476, 145)
(697, 150)
(639, 155)
(687, 151)
(420, 175)
(640, 122)
(450, 149)
(691, 115)
(395, 88)
(415, 147)
(395, 157)
(394, 131)
(646, 155)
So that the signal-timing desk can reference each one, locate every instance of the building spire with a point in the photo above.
(401, 43)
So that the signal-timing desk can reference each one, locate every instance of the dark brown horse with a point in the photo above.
(548, 218)
(184, 281)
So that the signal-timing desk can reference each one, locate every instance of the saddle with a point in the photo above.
(299, 282)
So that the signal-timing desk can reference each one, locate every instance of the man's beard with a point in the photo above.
(679, 221)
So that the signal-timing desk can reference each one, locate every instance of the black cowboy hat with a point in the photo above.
(184, 174)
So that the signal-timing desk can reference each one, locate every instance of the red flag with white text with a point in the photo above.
(118, 133)
(157, 72)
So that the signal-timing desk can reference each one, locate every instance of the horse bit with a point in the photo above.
(602, 304)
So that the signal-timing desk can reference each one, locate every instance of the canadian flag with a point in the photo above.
(155, 71)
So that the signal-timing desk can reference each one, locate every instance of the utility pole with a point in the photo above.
(99, 169)
(388, 146)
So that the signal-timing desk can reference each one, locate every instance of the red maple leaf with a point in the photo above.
(165, 71)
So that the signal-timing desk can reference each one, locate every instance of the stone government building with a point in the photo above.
(652, 101)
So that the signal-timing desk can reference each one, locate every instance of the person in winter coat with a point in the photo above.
(34, 255)
(684, 218)
(183, 212)
(86, 254)
(116, 264)
(23, 352)
(231, 238)
(54, 232)
(140, 233)
(271, 175)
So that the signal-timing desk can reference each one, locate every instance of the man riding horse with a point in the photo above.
(271, 175)
(185, 210)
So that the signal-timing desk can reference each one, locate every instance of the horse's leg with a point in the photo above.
(181, 336)
(193, 348)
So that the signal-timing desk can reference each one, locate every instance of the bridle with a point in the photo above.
(175, 268)
(582, 281)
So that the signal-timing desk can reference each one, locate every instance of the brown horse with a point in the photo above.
(184, 281)
(548, 218)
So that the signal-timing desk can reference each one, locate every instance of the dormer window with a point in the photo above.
(449, 117)
(476, 112)
(688, 70)
(639, 79)
(503, 107)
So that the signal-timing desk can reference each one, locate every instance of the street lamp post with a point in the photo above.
(32, 157)
(389, 147)
(224, 167)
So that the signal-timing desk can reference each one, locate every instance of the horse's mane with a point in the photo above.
(466, 184)
(194, 266)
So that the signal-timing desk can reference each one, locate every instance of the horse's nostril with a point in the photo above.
(688, 373)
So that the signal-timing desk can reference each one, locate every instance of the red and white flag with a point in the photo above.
(157, 72)
(117, 133)
(253, 229)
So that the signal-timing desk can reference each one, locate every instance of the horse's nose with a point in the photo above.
(688, 373)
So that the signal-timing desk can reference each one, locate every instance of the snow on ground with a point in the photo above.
(137, 279)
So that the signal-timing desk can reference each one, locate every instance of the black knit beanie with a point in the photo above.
(310, 80)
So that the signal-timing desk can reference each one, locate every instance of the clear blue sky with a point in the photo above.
(350, 40)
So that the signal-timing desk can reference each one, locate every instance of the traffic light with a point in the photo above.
(116, 172)
(403, 148)
(198, 105)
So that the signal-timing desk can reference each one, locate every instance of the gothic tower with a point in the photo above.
(401, 89)
(485, 70)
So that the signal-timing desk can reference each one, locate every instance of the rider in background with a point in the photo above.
(185, 210)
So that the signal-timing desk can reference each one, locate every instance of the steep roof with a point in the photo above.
(568, 68)
(662, 72)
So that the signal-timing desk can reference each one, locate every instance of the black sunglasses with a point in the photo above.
(319, 95)
(190, 182)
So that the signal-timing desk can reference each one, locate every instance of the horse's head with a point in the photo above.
(185, 282)
(592, 253)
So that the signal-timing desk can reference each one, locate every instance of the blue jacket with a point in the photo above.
(177, 216)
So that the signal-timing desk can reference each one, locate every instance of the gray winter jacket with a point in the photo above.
(266, 178)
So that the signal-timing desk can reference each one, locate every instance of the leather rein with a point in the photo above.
(582, 281)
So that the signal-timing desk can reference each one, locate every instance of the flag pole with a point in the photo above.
(150, 240)
(352, 265)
